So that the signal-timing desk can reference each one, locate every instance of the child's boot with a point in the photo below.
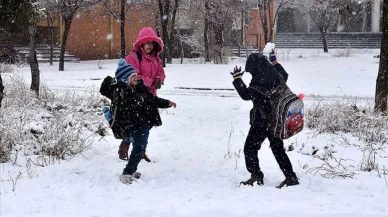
(123, 150)
(259, 178)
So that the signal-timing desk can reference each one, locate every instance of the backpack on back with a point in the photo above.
(112, 91)
(293, 116)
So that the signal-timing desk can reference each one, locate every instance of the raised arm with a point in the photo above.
(279, 68)
(242, 89)
(239, 84)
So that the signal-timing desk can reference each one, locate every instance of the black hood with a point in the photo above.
(263, 73)
(257, 63)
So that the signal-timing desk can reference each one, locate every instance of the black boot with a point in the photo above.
(289, 181)
(259, 178)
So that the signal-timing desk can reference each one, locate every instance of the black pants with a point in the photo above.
(256, 136)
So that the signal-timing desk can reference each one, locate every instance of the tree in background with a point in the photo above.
(269, 24)
(324, 14)
(218, 15)
(381, 96)
(17, 17)
(167, 10)
(1, 89)
(67, 9)
(34, 18)
(50, 14)
(14, 16)
(122, 29)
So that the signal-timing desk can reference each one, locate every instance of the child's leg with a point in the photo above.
(140, 138)
(281, 157)
(256, 136)
(145, 157)
(123, 148)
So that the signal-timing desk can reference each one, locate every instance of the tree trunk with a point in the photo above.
(218, 44)
(264, 20)
(242, 29)
(364, 16)
(271, 22)
(51, 45)
(1, 89)
(164, 9)
(51, 35)
(172, 33)
(381, 96)
(122, 28)
(64, 41)
(324, 39)
(205, 32)
(35, 77)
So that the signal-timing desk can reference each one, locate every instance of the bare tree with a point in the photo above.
(34, 19)
(68, 8)
(167, 12)
(20, 17)
(206, 31)
(120, 15)
(324, 14)
(50, 17)
(1, 89)
(381, 96)
(366, 10)
(50, 13)
(269, 10)
(218, 15)
(189, 26)
(122, 28)
(345, 8)
(32, 60)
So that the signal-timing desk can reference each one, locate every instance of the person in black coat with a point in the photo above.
(137, 111)
(266, 78)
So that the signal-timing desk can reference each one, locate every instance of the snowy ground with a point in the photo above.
(197, 169)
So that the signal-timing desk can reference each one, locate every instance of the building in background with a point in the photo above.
(360, 16)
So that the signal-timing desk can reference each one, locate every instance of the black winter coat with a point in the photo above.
(268, 80)
(136, 106)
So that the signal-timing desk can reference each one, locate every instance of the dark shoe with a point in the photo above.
(259, 178)
(123, 151)
(145, 157)
(289, 181)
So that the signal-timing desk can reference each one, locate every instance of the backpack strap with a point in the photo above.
(139, 57)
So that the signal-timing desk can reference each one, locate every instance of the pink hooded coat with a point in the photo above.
(150, 66)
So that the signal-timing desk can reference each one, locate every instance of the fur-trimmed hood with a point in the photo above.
(147, 34)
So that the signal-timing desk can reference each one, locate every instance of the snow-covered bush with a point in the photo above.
(54, 125)
(341, 117)
(343, 53)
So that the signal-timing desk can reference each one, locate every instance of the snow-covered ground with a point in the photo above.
(198, 150)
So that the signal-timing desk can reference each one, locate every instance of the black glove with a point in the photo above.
(237, 73)
(157, 83)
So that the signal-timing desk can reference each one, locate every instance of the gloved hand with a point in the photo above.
(272, 56)
(157, 83)
(237, 73)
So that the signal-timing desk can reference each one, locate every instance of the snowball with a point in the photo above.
(269, 47)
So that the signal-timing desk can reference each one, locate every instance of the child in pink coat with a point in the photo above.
(145, 59)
